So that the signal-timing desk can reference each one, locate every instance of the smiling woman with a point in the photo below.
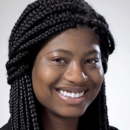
(58, 53)
(64, 76)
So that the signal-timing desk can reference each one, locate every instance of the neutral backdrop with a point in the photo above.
(117, 14)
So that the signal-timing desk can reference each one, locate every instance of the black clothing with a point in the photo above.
(8, 127)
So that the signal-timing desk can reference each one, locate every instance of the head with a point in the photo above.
(68, 62)
(55, 44)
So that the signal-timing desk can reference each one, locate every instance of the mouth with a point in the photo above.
(71, 97)
(71, 94)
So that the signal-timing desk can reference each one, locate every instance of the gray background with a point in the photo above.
(117, 14)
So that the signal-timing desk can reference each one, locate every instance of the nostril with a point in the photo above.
(75, 74)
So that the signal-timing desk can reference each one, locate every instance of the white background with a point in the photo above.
(117, 14)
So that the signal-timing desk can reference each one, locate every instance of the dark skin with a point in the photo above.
(70, 61)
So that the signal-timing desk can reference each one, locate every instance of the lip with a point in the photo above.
(73, 101)
(73, 89)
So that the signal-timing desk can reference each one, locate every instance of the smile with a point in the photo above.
(71, 94)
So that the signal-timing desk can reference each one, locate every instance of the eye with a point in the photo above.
(92, 61)
(59, 60)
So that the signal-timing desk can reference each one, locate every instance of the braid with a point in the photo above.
(11, 104)
(33, 19)
(19, 21)
(45, 35)
(103, 118)
(43, 26)
(26, 105)
(100, 112)
(23, 110)
(14, 106)
(105, 109)
(38, 22)
(19, 72)
(31, 102)
(21, 106)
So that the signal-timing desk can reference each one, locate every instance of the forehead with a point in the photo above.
(75, 39)
(75, 33)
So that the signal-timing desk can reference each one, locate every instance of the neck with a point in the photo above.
(51, 121)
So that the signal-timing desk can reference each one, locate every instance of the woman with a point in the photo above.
(58, 54)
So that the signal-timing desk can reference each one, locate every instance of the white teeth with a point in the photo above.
(65, 93)
(72, 95)
(82, 93)
(62, 92)
(68, 94)
(77, 94)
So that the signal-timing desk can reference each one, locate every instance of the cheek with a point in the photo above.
(43, 78)
(97, 77)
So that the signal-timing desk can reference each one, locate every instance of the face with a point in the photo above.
(68, 73)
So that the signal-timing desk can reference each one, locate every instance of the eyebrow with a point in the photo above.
(92, 52)
(70, 53)
(61, 50)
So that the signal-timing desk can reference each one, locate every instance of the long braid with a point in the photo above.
(21, 105)
(11, 101)
(31, 102)
(39, 21)
(15, 111)
(103, 118)
(106, 122)
(26, 105)
(100, 112)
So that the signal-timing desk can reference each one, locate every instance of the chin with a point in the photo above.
(72, 113)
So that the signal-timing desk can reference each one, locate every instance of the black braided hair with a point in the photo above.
(38, 22)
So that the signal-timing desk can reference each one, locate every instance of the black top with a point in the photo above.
(8, 127)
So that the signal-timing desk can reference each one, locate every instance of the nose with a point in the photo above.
(76, 74)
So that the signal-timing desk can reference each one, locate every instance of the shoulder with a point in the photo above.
(113, 128)
(6, 126)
